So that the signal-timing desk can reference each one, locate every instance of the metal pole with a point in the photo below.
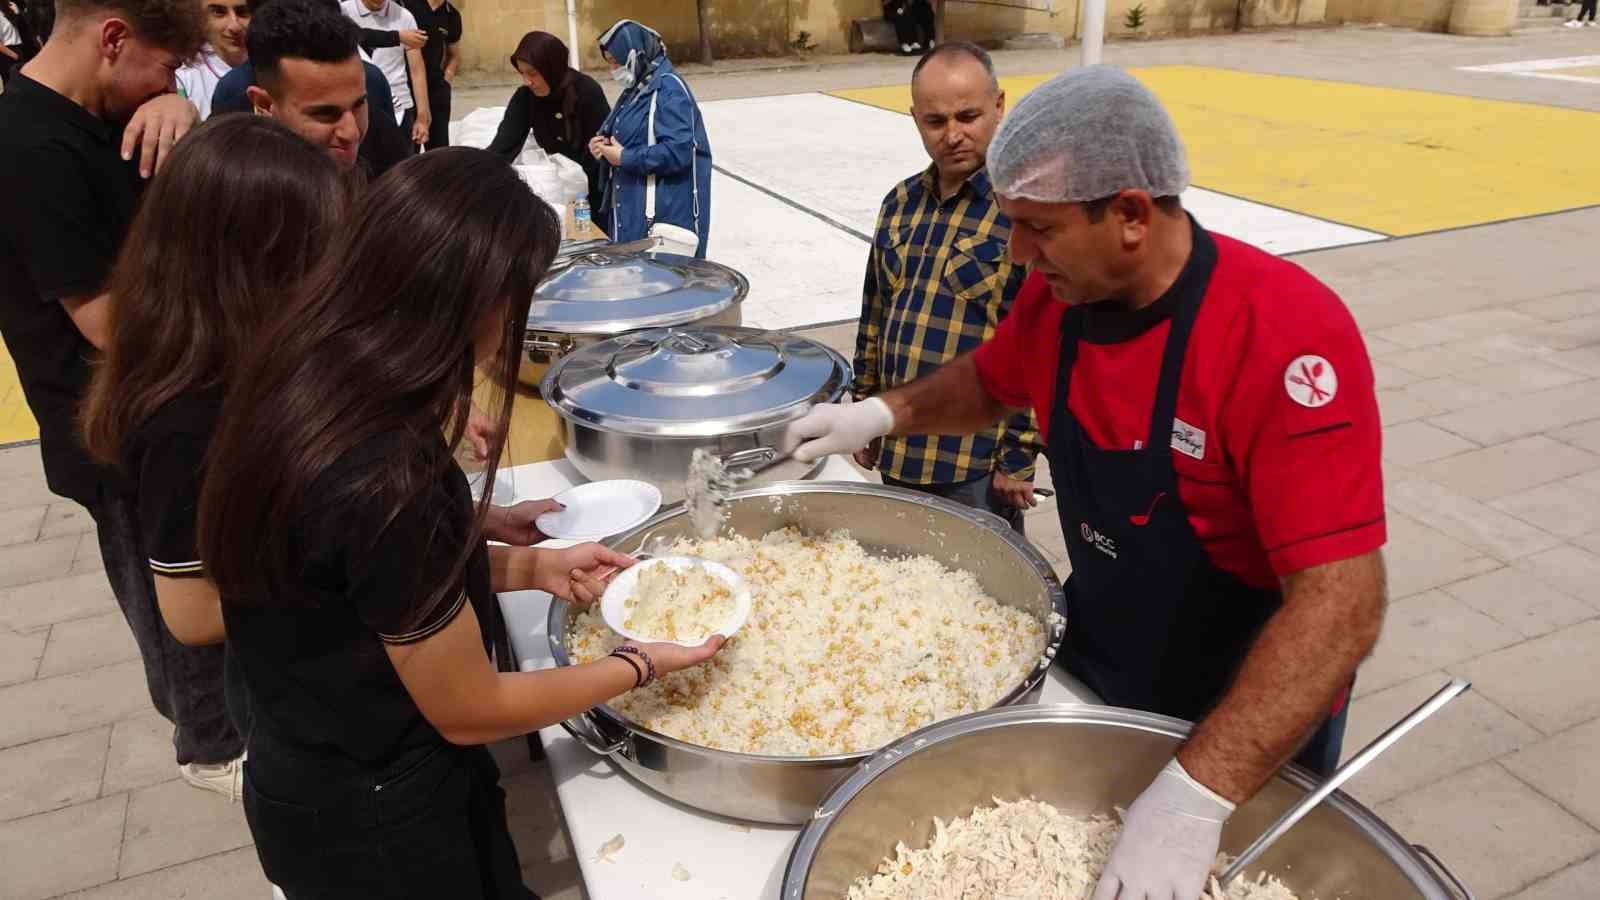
(572, 33)
(1093, 31)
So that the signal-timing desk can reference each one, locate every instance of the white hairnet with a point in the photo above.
(1084, 135)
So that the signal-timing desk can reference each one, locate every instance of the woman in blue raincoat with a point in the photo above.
(659, 175)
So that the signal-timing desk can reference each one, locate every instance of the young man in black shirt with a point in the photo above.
(66, 166)
(441, 22)
(306, 71)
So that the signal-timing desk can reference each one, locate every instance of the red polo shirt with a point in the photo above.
(1277, 443)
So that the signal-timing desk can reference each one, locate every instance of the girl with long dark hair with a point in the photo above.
(239, 214)
(357, 589)
(560, 106)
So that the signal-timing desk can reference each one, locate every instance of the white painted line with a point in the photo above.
(1548, 69)
(838, 159)
(1536, 65)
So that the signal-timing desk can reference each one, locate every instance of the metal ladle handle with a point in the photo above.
(1344, 773)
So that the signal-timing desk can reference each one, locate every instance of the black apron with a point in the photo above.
(1152, 624)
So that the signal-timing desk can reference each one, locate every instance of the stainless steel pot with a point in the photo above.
(1087, 759)
(597, 291)
(887, 521)
(639, 405)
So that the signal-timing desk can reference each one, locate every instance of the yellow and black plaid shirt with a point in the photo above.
(938, 283)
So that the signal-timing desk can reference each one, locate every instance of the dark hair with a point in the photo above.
(178, 26)
(956, 49)
(547, 54)
(299, 29)
(379, 340)
(1096, 209)
(231, 222)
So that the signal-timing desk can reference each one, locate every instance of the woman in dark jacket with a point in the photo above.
(560, 105)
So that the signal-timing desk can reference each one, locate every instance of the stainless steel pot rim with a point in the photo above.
(587, 386)
(927, 737)
(612, 327)
(705, 288)
(993, 524)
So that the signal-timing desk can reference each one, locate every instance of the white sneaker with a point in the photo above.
(226, 778)
(1572, 23)
(905, 48)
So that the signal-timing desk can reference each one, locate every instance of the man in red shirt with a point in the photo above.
(1213, 434)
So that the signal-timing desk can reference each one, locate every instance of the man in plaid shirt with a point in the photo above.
(938, 282)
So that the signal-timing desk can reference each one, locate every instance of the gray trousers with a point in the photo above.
(185, 682)
(978, 493)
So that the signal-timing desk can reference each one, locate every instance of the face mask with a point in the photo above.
(622, 75)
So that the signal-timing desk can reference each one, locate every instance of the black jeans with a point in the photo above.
(407, 120)
(185, 682)
(912, 21)
(978, 493)
(434, 826)
(1587, 8)
(439, 109)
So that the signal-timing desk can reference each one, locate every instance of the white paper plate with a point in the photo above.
(600, 509)
(622, 586)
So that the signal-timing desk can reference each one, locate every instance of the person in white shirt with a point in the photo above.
(402, 66)
(226, 23)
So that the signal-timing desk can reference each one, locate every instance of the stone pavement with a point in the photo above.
(1487, 347)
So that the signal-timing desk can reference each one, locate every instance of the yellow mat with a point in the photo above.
(1399, 162)
(16, 422)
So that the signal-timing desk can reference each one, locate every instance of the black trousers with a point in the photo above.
(1587, 8)
(185, 683)
(978, 493)
(439, 109)
(434, 826)
(407, 120)
(912, 21)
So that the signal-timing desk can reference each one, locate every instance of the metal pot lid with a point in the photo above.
(696, 381)
(604, 292)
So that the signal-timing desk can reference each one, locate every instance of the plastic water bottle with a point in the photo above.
(583, 223)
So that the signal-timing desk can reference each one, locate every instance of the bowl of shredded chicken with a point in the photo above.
(1026, 803)
(842, 652)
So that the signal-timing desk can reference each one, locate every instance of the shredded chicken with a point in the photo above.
(1019, 850)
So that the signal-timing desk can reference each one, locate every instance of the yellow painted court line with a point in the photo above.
(1400, 162)
(16, 421)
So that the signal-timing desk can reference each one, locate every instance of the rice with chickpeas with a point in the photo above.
(843, 652)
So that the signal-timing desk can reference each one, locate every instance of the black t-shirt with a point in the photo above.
(165, 459)
(527, 112)
(69, 198)
(320, 683)
(443, 28)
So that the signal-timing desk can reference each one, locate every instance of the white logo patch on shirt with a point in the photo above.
(1311, 381)
(1188, 440)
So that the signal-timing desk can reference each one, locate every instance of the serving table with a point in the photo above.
(667, 850)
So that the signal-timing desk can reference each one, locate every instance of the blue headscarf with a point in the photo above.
(634, 46)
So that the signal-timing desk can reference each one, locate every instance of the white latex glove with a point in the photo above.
(1169, 841)
(840, 428)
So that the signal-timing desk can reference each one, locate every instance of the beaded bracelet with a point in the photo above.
(638, 668)
(649, 664)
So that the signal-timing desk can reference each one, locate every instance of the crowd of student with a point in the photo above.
(258, 394)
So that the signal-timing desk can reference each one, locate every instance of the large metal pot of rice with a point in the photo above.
(1085, 760)
(887, 522)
